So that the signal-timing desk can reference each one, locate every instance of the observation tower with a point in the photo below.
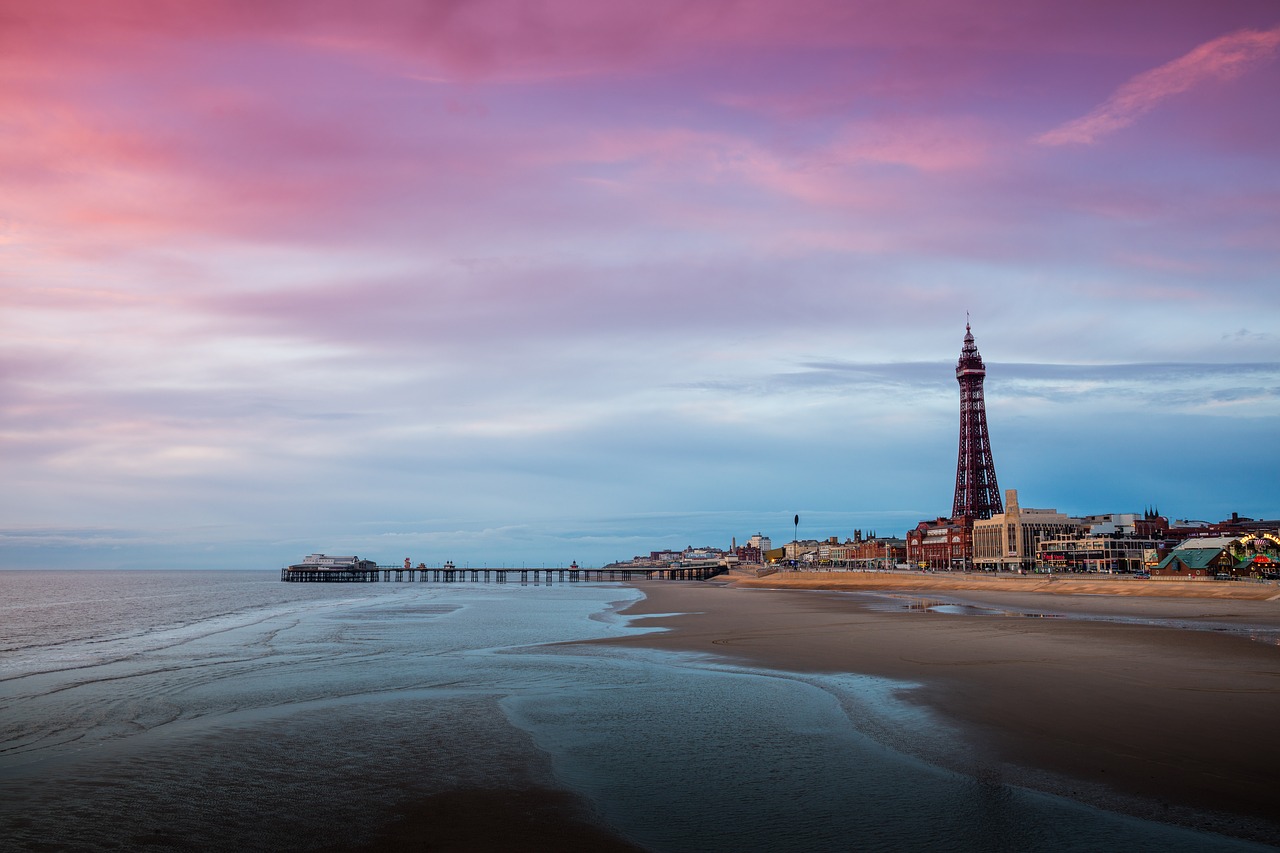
(977, 493)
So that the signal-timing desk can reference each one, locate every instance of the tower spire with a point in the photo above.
(977, 492)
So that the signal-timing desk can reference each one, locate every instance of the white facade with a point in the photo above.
(1009, 541)
(1112, 524)
(324, 561)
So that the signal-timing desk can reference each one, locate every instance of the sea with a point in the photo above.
(226, 710)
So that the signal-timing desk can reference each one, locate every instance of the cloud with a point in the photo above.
(1244, 335)
(1223, 58)
(506, 266)
(1252, 388)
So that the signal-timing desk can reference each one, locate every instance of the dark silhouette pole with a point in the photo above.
(796, 542)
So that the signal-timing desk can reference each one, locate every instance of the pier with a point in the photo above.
(452, 574)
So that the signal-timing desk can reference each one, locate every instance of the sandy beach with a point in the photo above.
(1060, 585)
(1159, 706)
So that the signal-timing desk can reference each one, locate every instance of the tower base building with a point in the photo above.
(1008, 541)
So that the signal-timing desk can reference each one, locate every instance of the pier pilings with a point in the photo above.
(445, 574)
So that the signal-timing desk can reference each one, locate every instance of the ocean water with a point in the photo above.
(229, 711)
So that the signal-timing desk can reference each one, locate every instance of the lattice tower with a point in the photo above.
(977, 493)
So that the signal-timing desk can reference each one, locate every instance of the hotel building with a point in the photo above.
(1008, 541)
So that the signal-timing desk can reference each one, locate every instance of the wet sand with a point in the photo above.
(516, 820)
(1161, 722)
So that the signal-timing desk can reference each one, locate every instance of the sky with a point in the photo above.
(533, 282)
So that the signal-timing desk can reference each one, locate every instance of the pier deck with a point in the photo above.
(423, 574)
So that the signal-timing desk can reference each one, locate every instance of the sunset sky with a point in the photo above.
(505, 282)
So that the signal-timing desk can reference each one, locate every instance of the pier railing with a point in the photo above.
(424, 574)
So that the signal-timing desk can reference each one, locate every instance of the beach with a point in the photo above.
(228, 711)
(1160, 706)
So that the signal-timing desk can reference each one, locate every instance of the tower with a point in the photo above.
(977, 494)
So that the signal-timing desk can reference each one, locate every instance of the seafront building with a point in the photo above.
(1088, 552)
(872, 552)
(753, 551)
(325, 562)
(689, 556)
(1009, 541)
(862, 552)
(1252, 555)
(801, 551)
(943, 544)
(1197, 558)
(1113, 543)
(1019, 539)
(1236, 525)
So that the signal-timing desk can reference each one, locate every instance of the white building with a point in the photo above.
(1112, 524)
(1009, 540)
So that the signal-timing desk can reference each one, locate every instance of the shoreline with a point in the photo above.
(1058, 585)
(1152, 720)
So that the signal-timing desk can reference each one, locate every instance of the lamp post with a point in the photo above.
(795, 541)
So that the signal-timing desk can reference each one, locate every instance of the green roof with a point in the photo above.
(1192, 558)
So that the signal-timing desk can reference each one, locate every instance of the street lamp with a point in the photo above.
(795, 542)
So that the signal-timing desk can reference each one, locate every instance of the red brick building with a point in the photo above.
(944, 544)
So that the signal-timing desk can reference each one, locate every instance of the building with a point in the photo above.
(1204, 557)
(944, 544)
(1113, 554)
(1253, 555)
(1152, 525)
(1008, 541)
(327, 563)
(876, 553)
(802, 551)
(1236, 525)
(754, 550)
(829, 552)
(1257, 555)
(706, 553)
(1112, 543)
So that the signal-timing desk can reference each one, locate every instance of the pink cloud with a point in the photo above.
(926, 144)
(274, 126)
(847, 173)
(527, 40)
(490, 39)
(1223, 58)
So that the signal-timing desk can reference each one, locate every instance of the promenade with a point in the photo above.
(1054, 584)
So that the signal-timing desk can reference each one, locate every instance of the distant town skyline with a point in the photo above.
(589, 280)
